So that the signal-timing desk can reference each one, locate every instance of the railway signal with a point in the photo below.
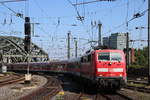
(27, 43)
(27, 31)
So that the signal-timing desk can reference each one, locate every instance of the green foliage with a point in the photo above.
(141, 56)
(135, 66)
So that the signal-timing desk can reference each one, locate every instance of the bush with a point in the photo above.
(135, 66)
(137, 70)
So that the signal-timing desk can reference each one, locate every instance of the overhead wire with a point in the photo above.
(79, 16)
(44, 13)
(75, 7)
(83, 9)
(42, 10)
(27, 8)
(56, 17)
(127, 14)
(16, 14)
(109, 11)
(134, 17)
(141, 5)
(61, 17)
(57, 24)
(92, 25)
(20, 15)
(8, 8)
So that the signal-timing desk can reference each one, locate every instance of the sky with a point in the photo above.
(55, 18)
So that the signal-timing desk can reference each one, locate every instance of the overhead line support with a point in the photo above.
(68, 53)
(99, 34)
(148, 42)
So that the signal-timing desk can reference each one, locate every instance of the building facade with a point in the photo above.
(106, 41)
(116, 41)
(119, 41)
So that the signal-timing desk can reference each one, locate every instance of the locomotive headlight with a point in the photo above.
(100, 75)
(110, 63)
(120, 75)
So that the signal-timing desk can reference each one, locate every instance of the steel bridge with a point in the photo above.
(12, 51)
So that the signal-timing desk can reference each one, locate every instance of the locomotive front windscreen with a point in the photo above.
(109, 56)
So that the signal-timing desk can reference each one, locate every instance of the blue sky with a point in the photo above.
(56, 18)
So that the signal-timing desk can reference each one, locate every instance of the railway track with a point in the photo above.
(103, 96)
(80, 94)
(53, 87)
(46, 92)
(116, 96)
(83, 96)
(140, 89)
(11, 80)
(141, 86)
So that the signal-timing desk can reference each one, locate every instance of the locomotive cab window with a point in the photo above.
(109, 56)
(103, 56)
(115, 56)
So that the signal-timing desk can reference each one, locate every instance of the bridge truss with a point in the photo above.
(12, 51)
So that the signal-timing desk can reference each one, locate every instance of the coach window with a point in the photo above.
(89, 58)
(82, 59)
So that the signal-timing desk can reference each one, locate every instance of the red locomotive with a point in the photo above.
(105, 68)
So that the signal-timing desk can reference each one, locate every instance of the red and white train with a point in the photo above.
(104, 68)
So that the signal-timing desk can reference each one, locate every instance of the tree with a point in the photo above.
(141, 56)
